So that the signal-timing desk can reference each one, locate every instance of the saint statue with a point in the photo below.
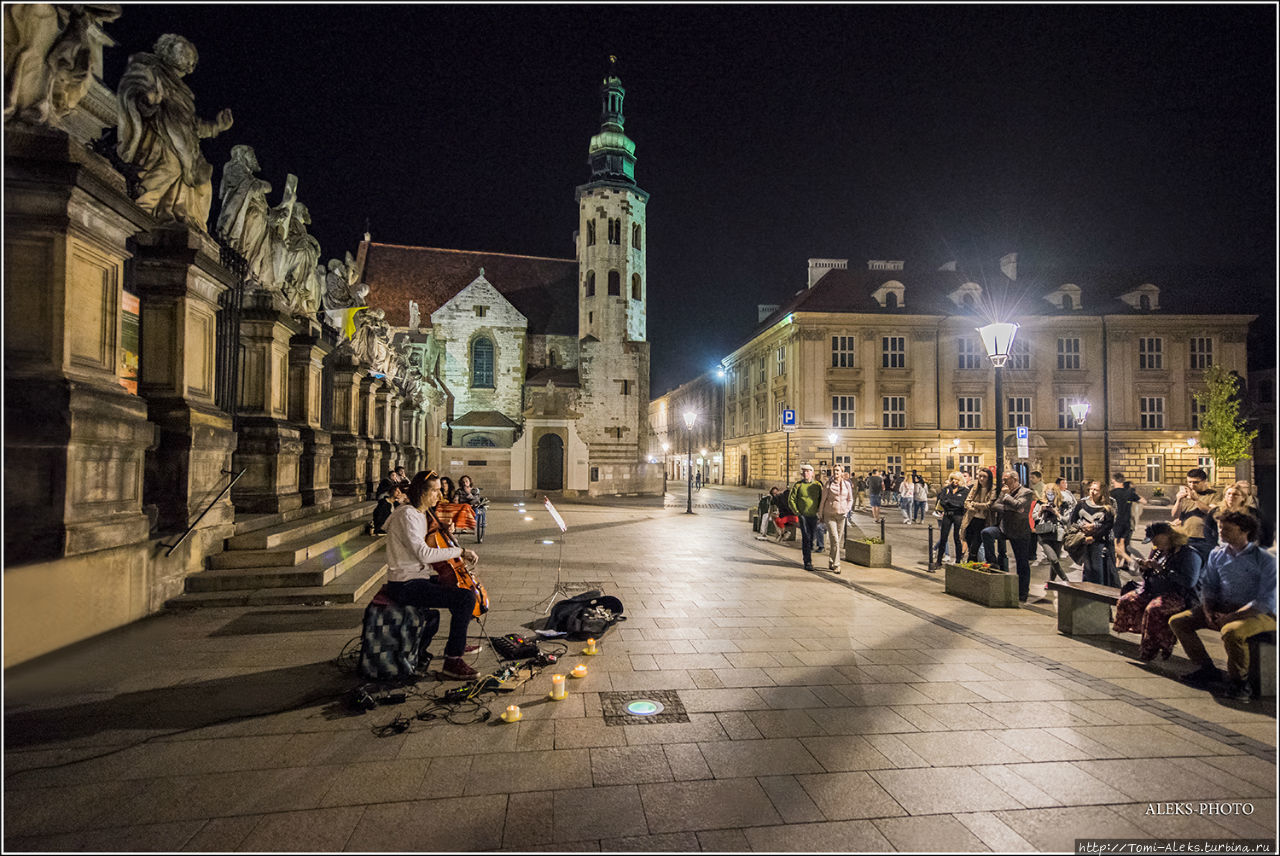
(341, 290)
(50, 56)
(294, 258)
(242, 217)
(159, 133)
(371, 341)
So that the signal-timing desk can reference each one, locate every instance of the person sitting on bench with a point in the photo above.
(785, 517)
(1238, 598)
(1169, 577)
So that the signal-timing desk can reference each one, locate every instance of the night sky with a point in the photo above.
(766, 135)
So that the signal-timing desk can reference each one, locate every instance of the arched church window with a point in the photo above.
(591, 283)
(615, 284)
(615, 231)
(591, 233)
(635, 236)
(635, 286)
(482, 363)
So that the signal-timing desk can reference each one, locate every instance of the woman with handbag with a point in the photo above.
(951, 505)
(1095, 516)
(1048, 530)
(977, 514)
(1169, 577)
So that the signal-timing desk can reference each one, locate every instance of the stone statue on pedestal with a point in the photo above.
(371, 342)
(294, 257)
(414, 320)
(50, 56)
(159, 133)
(341, 289)
(242, 218)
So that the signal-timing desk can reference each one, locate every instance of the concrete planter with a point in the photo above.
(993, 590)
(868, 555)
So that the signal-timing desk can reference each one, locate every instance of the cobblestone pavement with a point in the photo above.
(805, 711)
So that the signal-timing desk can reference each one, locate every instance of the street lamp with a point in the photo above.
(833, 437)
(1080, 410)
(666, 465)
(689, 418)
(997, 339)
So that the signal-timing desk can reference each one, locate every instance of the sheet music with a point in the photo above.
(555, 515)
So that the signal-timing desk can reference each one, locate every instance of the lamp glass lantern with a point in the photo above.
(1079, 411)
(997, 339)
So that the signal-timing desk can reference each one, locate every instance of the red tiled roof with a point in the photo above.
(544, 290)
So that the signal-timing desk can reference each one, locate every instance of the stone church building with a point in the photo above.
(543, 362)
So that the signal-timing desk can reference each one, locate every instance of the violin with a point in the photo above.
(455, 573)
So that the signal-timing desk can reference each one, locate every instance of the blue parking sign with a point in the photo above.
(788, 417)
(1022, 432)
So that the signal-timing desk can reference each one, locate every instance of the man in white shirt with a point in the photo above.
(411, 579)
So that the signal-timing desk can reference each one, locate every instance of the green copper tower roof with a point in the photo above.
(612, 154)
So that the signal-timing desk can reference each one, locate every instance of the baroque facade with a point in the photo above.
(543, 362)
(888, 359)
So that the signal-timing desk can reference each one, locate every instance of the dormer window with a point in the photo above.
(1065, 297)
(891, 301)
(1144, 298)
(967, 301)
(967, 295)
(890, 295)
(1068, 302)
(1144, 303)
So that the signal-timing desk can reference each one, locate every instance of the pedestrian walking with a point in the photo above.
(806, 499)
(875, 490)
(919, 497)
(837, 502)
(1124, 496)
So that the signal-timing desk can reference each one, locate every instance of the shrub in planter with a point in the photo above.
(981, 583)
(868, 552)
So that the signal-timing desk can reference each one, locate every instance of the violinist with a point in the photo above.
(411, 579)
(1169, 577)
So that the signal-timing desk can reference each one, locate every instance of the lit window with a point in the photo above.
(1151, 412)
(1155, 469)
(893, 464)
(970, 464)
(482, 363)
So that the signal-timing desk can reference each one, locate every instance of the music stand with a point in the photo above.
(559, 588)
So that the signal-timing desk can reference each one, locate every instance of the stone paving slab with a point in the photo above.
(866, 711)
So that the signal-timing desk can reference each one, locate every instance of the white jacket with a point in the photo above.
(408, 556)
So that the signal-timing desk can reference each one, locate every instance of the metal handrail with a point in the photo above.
(192, 527)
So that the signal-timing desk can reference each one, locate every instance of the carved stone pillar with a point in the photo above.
(395, 455)
(346, 476)
(307, 351)
(371, 433)
(179, 280)
(269, 447)
(75, 440)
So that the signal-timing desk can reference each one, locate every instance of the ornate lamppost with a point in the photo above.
(689, 418)
(997, 339)
(666, 465)
(1080, 410)
(834, 438)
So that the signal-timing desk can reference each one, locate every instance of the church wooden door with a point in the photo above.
(550, 462)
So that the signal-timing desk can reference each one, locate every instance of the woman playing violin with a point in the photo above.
(411, 579)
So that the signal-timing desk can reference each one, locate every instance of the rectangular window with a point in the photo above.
(970, 464)
(782, 361)
(1150, 353)
(482, 311)
(1019, 411)
(782, 405)
(763, 378)
(1019, 356)
(893, 352)
(970, 354)
(842, 411)
(895, 411)
(1155, 469)
(893, 464)
(744, 379)
(624, 387)
(1197, 412)
(1068, 354)
(841, 352)
(970, 412)
(760, 418)
(1151, 412)
(1205, 462)
(1066, 421)
(733, 423)
(1069, 468)
(1201, 352)
(845, 462)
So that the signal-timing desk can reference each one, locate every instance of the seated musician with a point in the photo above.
(411, 578)
(1169, 577)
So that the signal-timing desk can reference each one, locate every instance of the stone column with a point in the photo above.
(179, 281)
(269, 447)
(75, 439)
(396, 435)
(371, 433)
(307, 351)
(346, 476)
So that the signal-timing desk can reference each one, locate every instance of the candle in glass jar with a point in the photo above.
(579, 671)
(558, 692)
(591, 647)
(513, 713)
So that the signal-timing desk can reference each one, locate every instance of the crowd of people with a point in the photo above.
(1206, 568)
(462, 504)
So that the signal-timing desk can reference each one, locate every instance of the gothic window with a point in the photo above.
(635, 236)
(591, 283)
(615, 231)
(482, 363)
(591, 233)
(635, 286)
(615, 284)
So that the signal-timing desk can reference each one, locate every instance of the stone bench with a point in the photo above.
(1262, 664)
(1084, 609)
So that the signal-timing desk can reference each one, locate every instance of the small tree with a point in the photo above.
(1223, 432)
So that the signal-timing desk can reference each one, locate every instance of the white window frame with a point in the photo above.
(781, 368)
(970, 464)
(844, 411)
(1201, 350)
(782, 405)
(764, 428)
(1015, 412)
(893, 464)
(1197, 410)
(1155, 467)
(842, 352)
(763, 376)
(1151, 412)
(969, 355)
(1205, 462)
(1019, 356)
(1150, 353)
(893, 352)
(1068, 353)
(893, 417)
(969, 412)
(1066, 421)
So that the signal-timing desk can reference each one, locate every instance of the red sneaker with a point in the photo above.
(454, 667)
(471, 649)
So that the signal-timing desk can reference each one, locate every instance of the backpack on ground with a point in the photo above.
(393, 639)
(587, 614)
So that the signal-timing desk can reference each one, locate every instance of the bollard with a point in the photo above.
(932, 564)
(882, 531)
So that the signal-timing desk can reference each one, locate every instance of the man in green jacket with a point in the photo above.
(806, 499)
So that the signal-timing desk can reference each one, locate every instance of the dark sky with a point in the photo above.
(766, 134)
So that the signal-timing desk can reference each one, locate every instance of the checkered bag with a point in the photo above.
(393, 637)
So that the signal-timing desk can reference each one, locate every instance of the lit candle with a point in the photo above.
(591, 647)
(558, 692)
(579, 671)
(513, 713)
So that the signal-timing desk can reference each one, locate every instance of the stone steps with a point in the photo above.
(291, 553)
(345, 589)
(267, 531)
(315, 571)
